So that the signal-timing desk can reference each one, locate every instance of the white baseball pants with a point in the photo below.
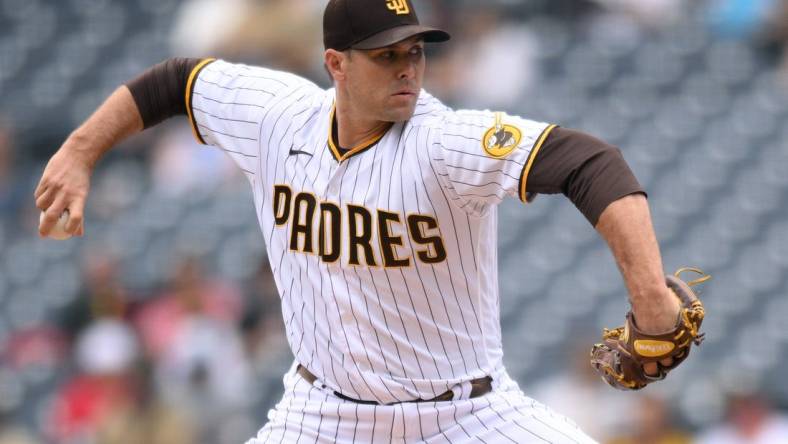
(309, 413)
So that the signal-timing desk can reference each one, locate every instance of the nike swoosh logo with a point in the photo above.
(297, 152)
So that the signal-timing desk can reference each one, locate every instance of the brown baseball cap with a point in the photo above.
(370, 24)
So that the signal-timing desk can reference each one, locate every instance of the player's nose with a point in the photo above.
(407, 72)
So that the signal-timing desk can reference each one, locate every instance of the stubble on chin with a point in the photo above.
(400, 113)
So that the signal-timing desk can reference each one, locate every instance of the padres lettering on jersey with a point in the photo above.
(385, 258)
(302, 212)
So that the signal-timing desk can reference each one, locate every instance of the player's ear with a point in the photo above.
(336, 64)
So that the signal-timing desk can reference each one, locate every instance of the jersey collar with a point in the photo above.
(340, 153)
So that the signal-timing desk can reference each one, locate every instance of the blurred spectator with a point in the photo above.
(206, 362)
(501, 73)
(280, 34)
(102, 295)
(107, 347)
(106, 353)
(215, 20)
(578, 392)
(105, 350)
(191, 333)
(651, 424)
(146, 419)
(750, 420)
(189, 294)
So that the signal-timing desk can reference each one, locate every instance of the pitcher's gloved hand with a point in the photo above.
(625, 350)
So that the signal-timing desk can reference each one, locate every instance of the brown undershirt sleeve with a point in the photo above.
(590, 172)
(159, 92)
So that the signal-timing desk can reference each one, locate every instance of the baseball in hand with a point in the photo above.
(58, 232)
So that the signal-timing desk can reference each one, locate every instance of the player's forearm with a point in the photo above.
(153, 96)
(595, 177)
(115, 120)
(626, 226)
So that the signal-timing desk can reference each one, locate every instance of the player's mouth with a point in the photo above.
(405, 93)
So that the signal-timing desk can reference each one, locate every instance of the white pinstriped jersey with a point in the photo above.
(384, 255)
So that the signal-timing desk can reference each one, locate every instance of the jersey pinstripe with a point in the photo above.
(385, 256)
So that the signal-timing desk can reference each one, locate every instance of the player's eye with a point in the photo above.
(386, 55)
(416, 53)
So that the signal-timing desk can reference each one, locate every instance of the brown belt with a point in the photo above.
(479, 387)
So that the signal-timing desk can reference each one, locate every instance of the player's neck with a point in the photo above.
(354, 128)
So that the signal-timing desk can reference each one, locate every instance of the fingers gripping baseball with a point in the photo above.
(64, 186)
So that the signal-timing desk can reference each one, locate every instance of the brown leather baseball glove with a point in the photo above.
(624, 351)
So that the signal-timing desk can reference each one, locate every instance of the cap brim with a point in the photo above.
(400, 33)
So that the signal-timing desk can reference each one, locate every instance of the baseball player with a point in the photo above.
(378, 208)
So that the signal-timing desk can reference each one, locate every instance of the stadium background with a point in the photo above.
(162, 325)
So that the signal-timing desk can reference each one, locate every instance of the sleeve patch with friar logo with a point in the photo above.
(501, 139)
